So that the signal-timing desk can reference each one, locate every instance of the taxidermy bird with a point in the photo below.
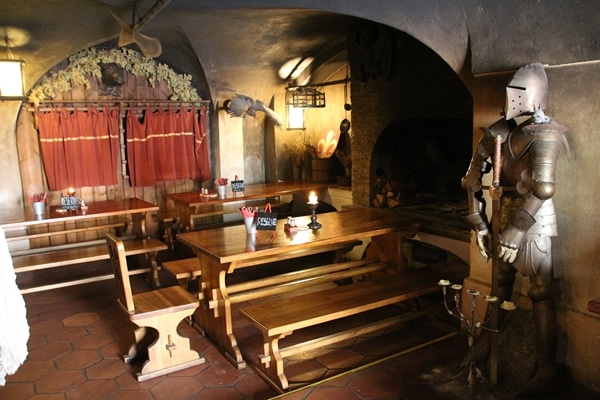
(241, 106)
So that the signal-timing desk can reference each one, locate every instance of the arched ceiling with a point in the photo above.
(238, 45)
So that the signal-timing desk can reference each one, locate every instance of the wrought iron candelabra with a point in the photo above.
(472, 326)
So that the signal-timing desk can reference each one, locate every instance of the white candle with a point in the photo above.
(312, 198)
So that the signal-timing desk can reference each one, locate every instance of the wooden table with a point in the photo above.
(66, 237)
(192, 203)
(21, 218)
(224, 250)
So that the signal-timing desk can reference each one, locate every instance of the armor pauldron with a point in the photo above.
(544, 147)
(543, 190)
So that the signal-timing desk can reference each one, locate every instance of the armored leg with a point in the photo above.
(545, 379)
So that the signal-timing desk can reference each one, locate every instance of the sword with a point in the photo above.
(495, 193)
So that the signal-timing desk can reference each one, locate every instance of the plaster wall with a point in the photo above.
(9, 161)
(229, 148)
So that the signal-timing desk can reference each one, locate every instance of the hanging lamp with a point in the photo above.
(11, 76)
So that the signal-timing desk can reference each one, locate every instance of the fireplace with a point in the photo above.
(416, 168)
(412, 134)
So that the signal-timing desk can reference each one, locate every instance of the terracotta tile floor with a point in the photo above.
(77, 337)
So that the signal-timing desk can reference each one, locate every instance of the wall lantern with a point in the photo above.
(11, 77)
(308, 97)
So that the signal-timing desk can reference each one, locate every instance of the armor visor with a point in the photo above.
(527, 91)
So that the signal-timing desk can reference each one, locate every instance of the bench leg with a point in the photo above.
(170, 352)
(170, 227)
(271, 362)
(151, 260)
(139, 347)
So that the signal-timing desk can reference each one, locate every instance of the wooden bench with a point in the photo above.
(283, 282)
(69, 237)
(280, 318)
(286, 282)
(184, 270)
(187, 269)
(84, 252)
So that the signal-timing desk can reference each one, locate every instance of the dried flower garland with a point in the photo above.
(88, 63)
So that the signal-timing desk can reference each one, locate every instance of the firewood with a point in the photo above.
(392, 203)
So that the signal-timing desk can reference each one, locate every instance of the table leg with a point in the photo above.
(138, 225)
(389, 247)
(153, 269)
(217, 323)
(184, 213)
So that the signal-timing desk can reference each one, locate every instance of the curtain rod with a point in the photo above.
(123, 101)
(131, 104)
(338, 82)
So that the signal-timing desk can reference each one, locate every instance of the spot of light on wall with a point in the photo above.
(294, 68)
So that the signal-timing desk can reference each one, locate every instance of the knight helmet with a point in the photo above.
(526, 92)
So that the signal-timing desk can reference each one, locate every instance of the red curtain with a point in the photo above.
(80, 148)
(167, 145)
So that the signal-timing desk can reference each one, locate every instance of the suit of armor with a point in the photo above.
(530, 152)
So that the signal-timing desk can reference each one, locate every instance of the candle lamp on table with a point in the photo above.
(313, 203)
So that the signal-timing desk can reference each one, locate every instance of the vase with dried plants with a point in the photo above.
(345, 158)
(297, 152)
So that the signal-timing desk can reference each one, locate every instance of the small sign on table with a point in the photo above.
(237, 185)
(266, 220)
(69, 202)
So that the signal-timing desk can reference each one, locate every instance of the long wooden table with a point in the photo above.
(66, 237)
(193, 203)
(222, 251)
(21, 218)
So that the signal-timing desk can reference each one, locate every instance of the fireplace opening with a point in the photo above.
(417, 166)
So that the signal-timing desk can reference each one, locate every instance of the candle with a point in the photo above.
(312, 198)
(70, 191)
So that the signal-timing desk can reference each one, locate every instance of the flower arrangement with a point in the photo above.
(221, 181)
(38, 197)
(297, 151)
(88, 63)
(345, 157)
